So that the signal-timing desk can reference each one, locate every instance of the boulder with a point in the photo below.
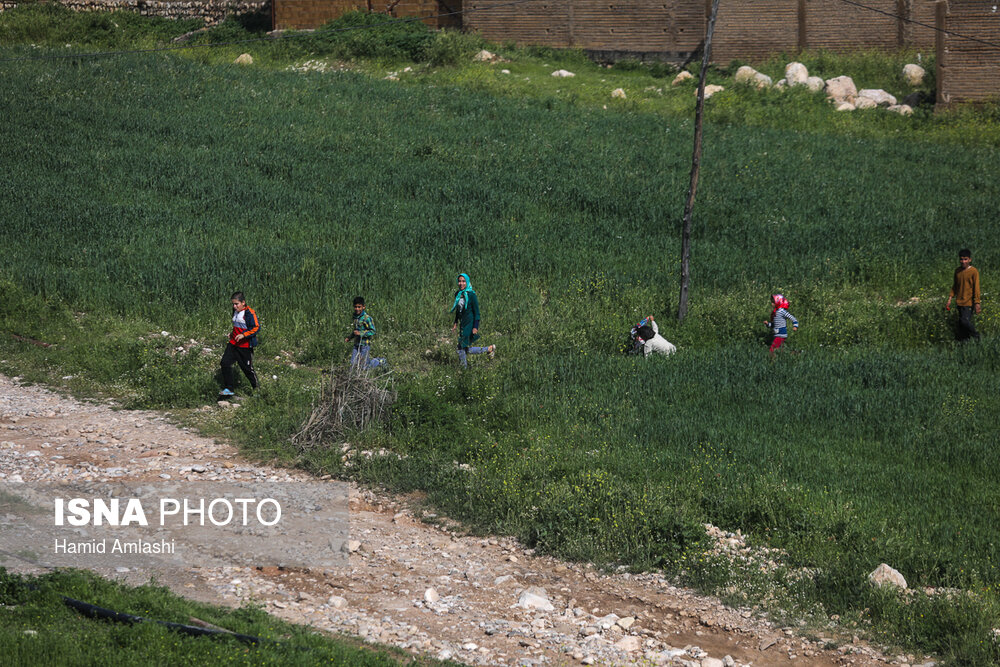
(913, 75)
(845, 106)
(915, 99)
(529, 600)
(886, 576)
(618, 94)
(562, 74)
(841, 89)
(864, 103)
(901, 109)
(712, 662)
(681, 78)
(796, 74)
(711, 90)
(815, 83)
(762, 80)
(244, 59)
(745, 74)
(629, 643)
(782, 83)
(881, 98)
(485, 56)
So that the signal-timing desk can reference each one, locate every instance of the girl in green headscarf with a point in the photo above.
(466, 309)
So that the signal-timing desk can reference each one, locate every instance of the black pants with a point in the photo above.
(966, 329)
(238, 355)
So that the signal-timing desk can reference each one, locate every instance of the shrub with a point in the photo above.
(367, 35)
(451, 47)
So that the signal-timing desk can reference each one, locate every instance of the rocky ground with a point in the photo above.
(424, 588)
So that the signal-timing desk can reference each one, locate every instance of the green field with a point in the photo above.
(40, 629)
(140, 191)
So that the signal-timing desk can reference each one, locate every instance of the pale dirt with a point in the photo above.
(400, 557)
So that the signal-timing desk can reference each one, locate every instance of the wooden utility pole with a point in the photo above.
(682, 304)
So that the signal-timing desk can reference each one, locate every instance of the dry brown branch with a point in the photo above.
(353, 399)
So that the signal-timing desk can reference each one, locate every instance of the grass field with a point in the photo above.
(39, 629)
(141, 191)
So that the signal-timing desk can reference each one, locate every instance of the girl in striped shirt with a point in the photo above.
(779, 321)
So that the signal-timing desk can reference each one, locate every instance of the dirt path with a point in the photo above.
(408, 583)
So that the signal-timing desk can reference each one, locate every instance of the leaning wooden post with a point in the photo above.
(695, 164)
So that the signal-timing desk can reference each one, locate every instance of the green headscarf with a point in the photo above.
(463, 293)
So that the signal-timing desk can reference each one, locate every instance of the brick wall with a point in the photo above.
(838, 26)
(968, 71)
(314, 13)
(649, 26)
(745, 29)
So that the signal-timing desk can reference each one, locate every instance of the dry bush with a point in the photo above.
(352, 399)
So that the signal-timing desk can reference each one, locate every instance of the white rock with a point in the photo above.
(845, 106)
(881, 97)
(533, 601)
(711, 90)
(745, 74)
(681, 78)
(782, 83)
(503, 71)
(350, 546)
(913, 75)
(337, 602)
(484, 56)
(712, 662)
(886, 576)
(762, 80)
(728, 661)
(796, 74)
(626, 623)
(902, 109)
(618, 94)
(562, 74)
(629, 643)
(841, 89)
(606, 622)
(815, 84)
(243, 59)
(864, 103)
(500, 581)
(431, 595)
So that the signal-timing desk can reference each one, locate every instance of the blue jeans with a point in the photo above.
(462, 351)
(360, 355)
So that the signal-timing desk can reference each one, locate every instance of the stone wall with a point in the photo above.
(211, 11)
(968, 71)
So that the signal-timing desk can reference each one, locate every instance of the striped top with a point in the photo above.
(779, 322)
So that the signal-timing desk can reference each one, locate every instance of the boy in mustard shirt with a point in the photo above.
(965, 291)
